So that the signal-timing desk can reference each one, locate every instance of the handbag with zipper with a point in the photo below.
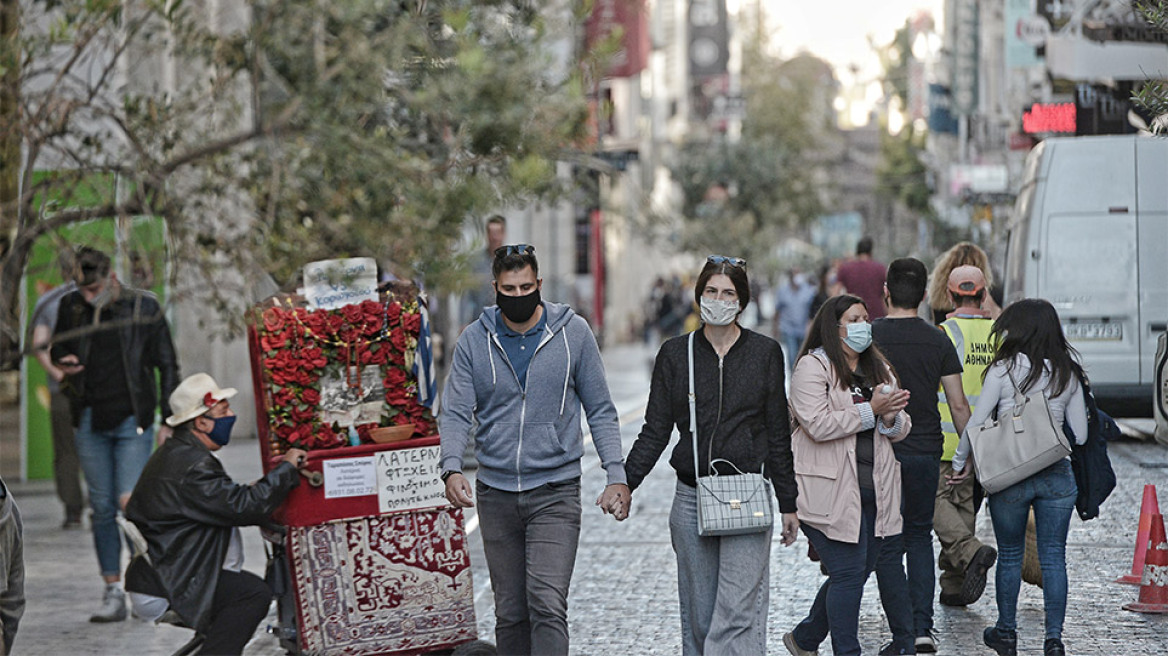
(1013, 448)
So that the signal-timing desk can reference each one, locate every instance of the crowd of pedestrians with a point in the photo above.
(859, 432)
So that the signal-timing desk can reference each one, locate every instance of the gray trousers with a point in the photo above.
(66, 465)
(723, 584)
(530, 541)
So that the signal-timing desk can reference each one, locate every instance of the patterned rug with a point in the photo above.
(392, 584)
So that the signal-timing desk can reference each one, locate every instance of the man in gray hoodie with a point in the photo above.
(523, 371)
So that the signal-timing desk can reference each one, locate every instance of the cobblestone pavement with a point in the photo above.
(624, 593)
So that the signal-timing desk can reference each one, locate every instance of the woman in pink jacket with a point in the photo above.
(848, 410)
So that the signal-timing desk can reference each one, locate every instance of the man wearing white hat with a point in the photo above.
(188, 509)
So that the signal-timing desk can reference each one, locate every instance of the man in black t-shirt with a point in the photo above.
(113, 344)
(924, 359)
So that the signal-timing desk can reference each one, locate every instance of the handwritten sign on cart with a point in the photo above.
(408, 479)
(330, 284)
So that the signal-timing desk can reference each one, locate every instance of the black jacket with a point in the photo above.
(185, 505)
(146, 347)
(749, 394)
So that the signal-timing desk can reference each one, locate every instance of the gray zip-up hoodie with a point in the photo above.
(526, 438)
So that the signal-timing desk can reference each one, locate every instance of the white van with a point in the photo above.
(1089, 233)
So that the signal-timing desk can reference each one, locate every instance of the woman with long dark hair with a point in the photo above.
(1033, 354)
(849, 411)
(723, 581)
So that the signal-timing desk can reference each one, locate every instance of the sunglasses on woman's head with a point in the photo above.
(722, 259)
(514, 249)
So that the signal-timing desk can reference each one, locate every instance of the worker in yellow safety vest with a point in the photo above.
(964, 560)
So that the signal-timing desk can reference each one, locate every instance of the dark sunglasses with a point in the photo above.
(722, 259)
(515, 249)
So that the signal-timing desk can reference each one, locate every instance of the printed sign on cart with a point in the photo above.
(408, 479)
(349, 477)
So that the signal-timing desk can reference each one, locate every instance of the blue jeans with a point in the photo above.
(1052, 493)
(792, 341)
(918, 475)
(112, 460)
(723, 584)
(836, 608)
(530, 540)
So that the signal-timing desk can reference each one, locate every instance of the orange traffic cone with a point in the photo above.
(1148, 508)
(1154, 591)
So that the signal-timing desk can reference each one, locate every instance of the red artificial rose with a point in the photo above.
(364, 355)
(393, 312)
(395, 377)
(396, 357)
(283, 431)
(349, 333)
(313, 357)
(273, 320)
(273, 342)
(398, 339)
(402, 419)
(412, 323)
(301, 416)
(310, 396)
(372, 308)
(282, 397)
(395, 396)
(303, 377)
(378, 354)
(335, 322)
(317, 322)
(421, 426)
(352, 313)
(373, 324)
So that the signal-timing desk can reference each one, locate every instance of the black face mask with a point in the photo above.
(518, 309)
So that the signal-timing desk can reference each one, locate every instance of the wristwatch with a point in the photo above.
(448, 473)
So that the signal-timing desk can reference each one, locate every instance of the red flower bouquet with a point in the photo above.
(323, 370)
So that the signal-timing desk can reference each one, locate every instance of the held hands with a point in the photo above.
(887, 405)
(616, 500)
(458, 491)
(790, 528)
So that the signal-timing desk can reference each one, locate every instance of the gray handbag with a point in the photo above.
(728, 504)
(1015, 447)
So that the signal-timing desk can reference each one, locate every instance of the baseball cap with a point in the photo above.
(966, 280)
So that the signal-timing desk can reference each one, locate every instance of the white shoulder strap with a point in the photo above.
(693, 412)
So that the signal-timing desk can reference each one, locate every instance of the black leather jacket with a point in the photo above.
(146, 347)
(185, 505)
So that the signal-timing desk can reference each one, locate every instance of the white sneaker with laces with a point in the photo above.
(113, 606)
(926, 644)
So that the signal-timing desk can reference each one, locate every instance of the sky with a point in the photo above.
(838, 30)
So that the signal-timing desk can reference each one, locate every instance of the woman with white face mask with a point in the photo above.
(848, 412)
(741, 412)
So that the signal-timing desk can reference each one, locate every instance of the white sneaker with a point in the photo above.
(113, 606)
(926, 644)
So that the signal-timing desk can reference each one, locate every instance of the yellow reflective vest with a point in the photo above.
(971, 338)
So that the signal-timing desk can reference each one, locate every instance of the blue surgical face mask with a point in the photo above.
(221, 433)
(859, 336)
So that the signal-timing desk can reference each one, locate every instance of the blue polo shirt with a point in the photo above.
(520, 346)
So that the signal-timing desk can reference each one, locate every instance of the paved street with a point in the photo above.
(624, 597)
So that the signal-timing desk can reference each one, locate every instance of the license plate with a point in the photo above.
(1093, 331)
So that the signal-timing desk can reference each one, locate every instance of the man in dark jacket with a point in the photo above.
(114, 348)
(188, 508)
